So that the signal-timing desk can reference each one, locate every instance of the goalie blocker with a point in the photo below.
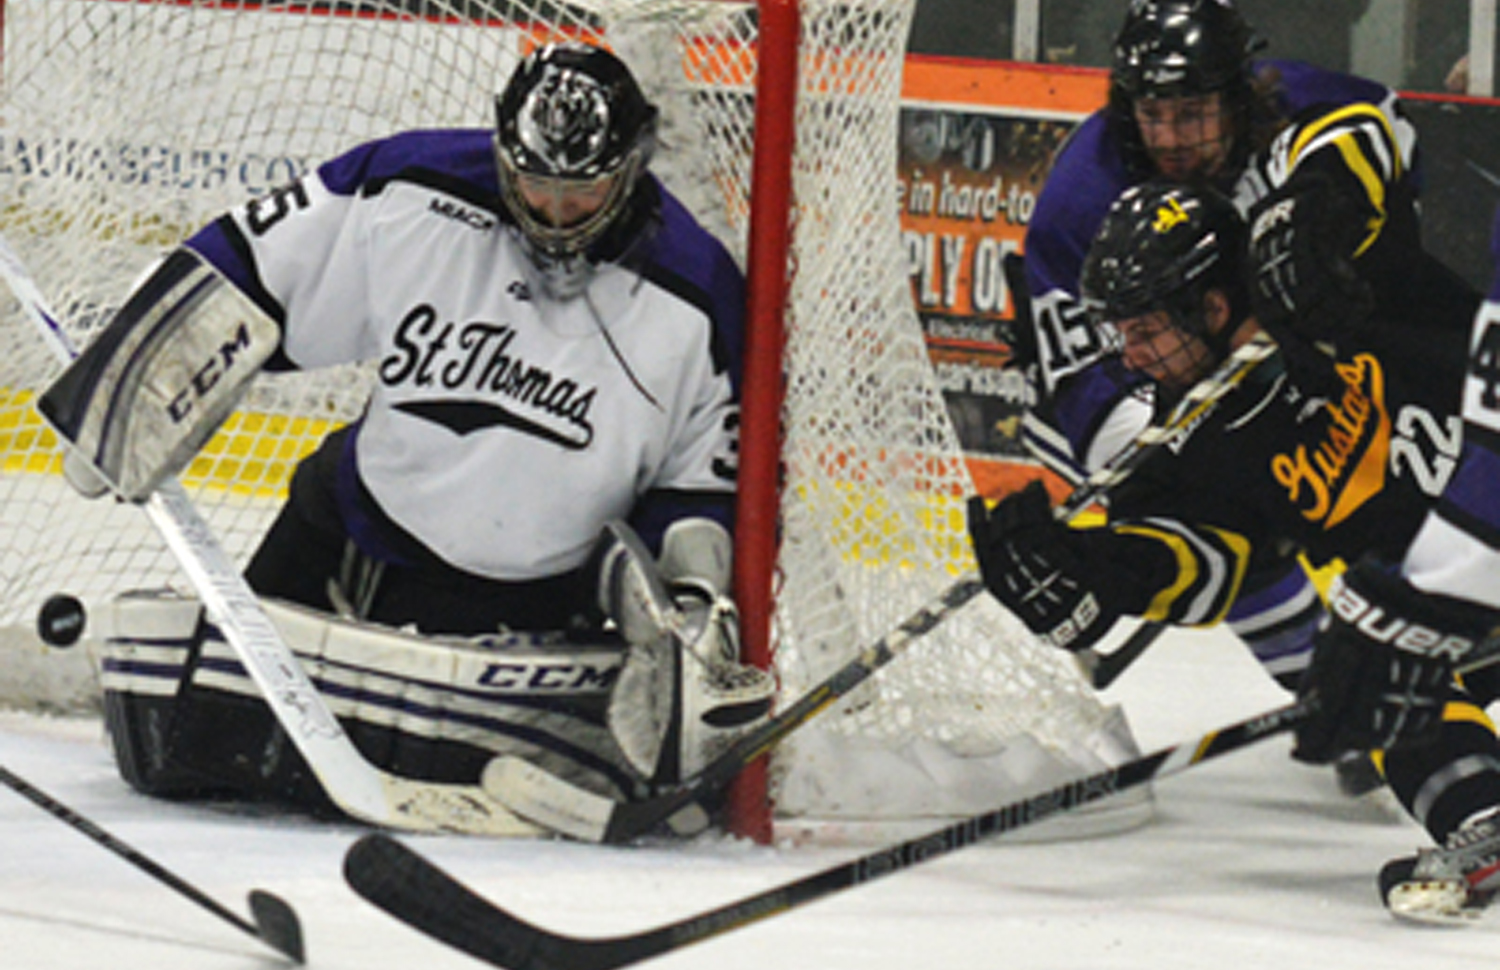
(152, 388)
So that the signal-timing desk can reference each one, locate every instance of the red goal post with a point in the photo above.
(769, 241)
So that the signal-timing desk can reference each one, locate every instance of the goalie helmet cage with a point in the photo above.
(127, 124)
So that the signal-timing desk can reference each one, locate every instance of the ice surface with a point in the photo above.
(1252, 862)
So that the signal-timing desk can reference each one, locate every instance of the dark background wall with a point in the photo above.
(1429, 35)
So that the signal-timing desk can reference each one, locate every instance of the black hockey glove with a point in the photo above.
(1302, 243)
(1382, 667)
(1038, 568)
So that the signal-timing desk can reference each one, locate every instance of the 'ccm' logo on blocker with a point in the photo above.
(204, 378)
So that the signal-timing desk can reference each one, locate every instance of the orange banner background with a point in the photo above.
(977, 139)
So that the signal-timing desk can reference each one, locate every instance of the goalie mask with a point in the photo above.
(1181, 93)
(1149, 271)
(574, 134)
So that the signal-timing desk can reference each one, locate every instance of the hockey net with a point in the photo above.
(126, 125)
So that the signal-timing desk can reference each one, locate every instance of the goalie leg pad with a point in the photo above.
(142, 726)
(632, 591)
(697, 552)
(437, 709)
(155, 385)
(172, 739)
(721, 697)
(679, 704)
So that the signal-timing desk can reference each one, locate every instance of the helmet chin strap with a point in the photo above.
(1195, 322)
(1219, 338)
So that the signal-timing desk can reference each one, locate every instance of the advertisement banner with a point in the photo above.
(976, 141)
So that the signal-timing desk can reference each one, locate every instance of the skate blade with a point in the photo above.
(1433, 902)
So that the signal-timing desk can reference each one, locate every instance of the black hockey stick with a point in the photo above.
(1102, 669)
(275, 923)
(406, 885)
(542, 797)
(409, 887)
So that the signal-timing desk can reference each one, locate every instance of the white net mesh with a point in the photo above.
(126, 125)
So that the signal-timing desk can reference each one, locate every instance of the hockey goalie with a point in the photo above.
(523, 544)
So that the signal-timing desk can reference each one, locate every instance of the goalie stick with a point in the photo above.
(275, 923)
(359, 788)
(561, 806)
(406, 885)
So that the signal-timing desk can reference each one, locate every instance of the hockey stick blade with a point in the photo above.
(360, 789)
(406, 885)
(554, 803)
(275, 925)
(409, 887)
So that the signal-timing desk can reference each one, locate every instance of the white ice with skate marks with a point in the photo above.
(1251, 862)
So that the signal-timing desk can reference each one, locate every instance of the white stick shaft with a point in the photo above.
(296, 702)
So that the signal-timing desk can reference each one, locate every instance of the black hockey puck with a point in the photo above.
(61, 619)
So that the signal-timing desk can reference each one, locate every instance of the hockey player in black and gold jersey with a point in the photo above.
(1448, 583)
(1190, 100)
(1333, 449)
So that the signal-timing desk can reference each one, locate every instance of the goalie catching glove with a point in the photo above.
(682, 696)
(1067, 585)
(1383, 662)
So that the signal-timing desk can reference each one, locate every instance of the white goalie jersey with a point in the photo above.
(505, 427)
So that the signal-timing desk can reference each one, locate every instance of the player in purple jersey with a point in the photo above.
(1456, 551)
(1186, 102)
(556, 351)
